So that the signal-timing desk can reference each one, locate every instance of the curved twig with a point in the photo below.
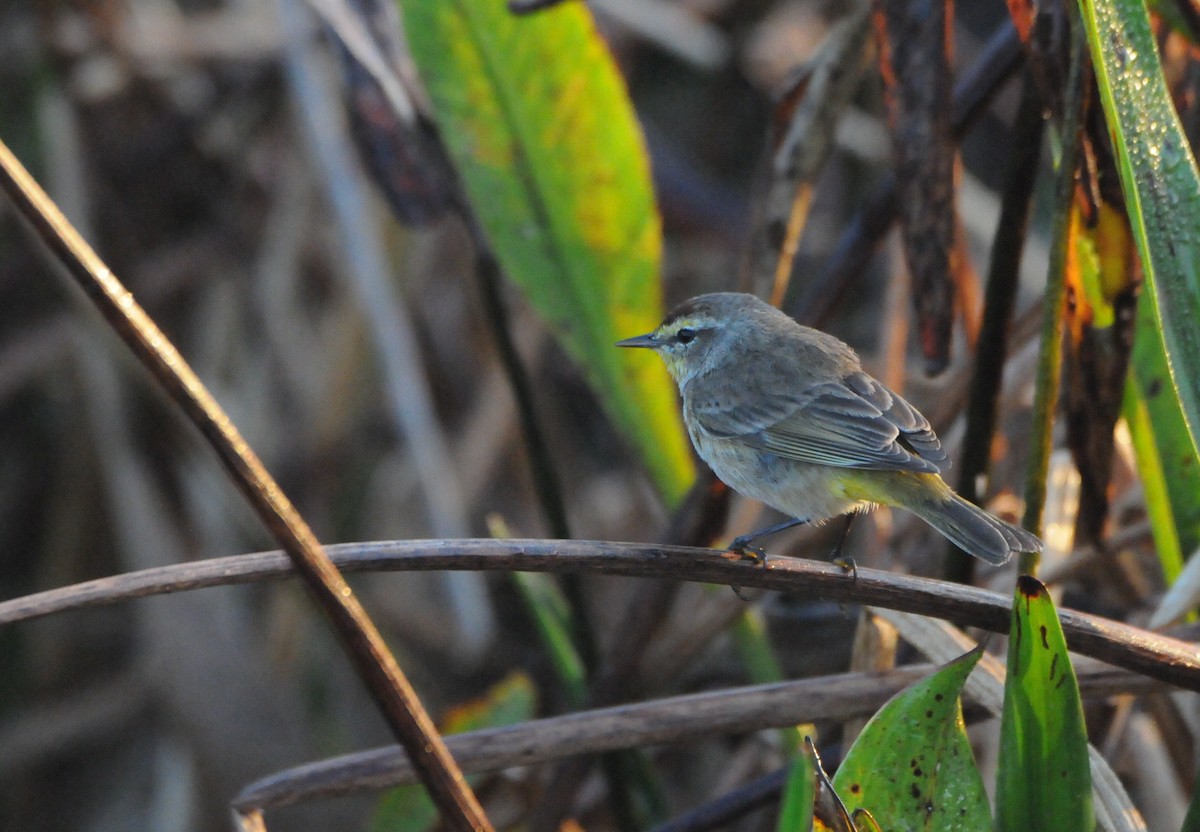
(1123, 645)
(660, 721)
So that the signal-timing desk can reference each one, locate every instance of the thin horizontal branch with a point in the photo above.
(669, 720)
(1123, 645)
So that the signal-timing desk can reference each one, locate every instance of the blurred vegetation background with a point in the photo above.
(204, 148)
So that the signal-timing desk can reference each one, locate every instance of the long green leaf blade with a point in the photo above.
(552, 617)
(1159, 179)
(539, 124)
(1177, 456)
(912, 766)
(799, 794)
(1146, 447)
(1044, 779)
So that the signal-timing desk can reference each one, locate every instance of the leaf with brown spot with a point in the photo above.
(1044, 779)
(912, 766)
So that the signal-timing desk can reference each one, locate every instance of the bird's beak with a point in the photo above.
(648, 340)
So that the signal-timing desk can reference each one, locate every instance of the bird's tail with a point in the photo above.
(974, 530)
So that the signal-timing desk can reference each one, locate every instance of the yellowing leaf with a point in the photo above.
(539, 124)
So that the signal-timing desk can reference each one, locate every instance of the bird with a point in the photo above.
(785, 414)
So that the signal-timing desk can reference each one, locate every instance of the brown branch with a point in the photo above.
(1123, 645)
(530, 6)
(670, 720)
(673, 719)
(366, 648)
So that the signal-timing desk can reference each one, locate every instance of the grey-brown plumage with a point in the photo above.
(785, 414)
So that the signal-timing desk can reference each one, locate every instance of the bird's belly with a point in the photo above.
(798, 489)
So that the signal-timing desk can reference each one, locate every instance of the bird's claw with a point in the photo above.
(742, 548)
(847, 564)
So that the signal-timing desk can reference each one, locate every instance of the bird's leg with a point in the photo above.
(741, 544)
(846, 562)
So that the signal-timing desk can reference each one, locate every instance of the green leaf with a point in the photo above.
(864, 821)
(1159, 179)
(753, 646)
(1167, 464)
(552, 617)
(1167, 434)
(911, 766)
(799, 794)
(539, 124)
(404, 809)
(1191, 822)
(510, 701)
(1156, 492)
(1044, 780)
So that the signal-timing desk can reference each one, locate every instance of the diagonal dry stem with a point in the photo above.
(370, 655)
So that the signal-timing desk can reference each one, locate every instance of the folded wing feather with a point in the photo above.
(852, 423)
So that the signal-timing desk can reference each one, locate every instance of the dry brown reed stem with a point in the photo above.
(372, 660)
(1142, 651)
(673, 719)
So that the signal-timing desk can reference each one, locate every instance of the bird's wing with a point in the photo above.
(852, 423)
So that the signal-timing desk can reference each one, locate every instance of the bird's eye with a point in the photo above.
(685, 335)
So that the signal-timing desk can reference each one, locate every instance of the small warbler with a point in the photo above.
(785, 414)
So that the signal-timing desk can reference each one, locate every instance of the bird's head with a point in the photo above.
(698, 331)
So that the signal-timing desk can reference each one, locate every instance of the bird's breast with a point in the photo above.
(798, 489)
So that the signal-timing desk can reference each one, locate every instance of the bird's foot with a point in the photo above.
(742, 548)
(741, 543)
(846, 562)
